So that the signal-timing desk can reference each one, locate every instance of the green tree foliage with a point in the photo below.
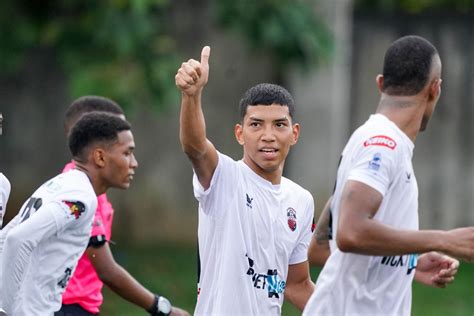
(417, 6)
(287, 29)
(123, 48)
(118, 48)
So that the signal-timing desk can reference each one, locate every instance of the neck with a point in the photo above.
(99, 188)
(405, 111)
(273, 175)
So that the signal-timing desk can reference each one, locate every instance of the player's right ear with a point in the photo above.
(379, 82)
(98, 157)
(238, 132)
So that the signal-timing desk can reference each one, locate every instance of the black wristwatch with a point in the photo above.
(161, 306)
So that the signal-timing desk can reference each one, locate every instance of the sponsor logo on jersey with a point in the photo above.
(76, 208)
(62, 283)
(291, 214)
(380, 140)
(409, 261)
(374, 164)
(249, 200)
(271, 282)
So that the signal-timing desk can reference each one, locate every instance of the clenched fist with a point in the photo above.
(192, 76)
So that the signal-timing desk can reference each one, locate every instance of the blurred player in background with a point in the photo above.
(371, 221)
(4, 185)
(44, 242)
(83, 295)
(254, 224)
(4, 194)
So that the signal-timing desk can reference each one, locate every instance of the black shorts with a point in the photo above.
(73, 310)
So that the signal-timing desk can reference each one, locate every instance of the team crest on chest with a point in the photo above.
(291, 215)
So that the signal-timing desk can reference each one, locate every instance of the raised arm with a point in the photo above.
(359, 232)
(191, 78)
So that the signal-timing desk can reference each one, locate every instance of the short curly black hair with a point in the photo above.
(266, 94)
(87, 104)
(407, 65)
(92, 128)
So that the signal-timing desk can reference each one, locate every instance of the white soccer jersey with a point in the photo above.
(249, 232)
(43, 243)
(4, 194)
(378, 154)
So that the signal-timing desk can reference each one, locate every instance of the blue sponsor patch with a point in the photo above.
(376, 161)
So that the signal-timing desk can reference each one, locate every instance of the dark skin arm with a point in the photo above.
(359, 232)
(318, 251)
(120, 281)
(299, 286)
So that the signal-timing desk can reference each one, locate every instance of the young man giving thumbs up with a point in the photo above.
(254, 224)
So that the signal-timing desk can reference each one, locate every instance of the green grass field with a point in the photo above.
(171, 270)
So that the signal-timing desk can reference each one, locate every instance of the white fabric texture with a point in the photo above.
(378, 154)
(249, 232)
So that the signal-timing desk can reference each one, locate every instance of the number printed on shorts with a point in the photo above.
(32, 206)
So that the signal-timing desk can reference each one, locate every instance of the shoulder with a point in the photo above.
(4, 183)
(72, 185)
(374, 137)
(295, 189)
(380, 131)
(226, 166)
(69, 166)
(225, 159)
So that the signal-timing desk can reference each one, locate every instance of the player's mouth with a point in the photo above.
(268, 153)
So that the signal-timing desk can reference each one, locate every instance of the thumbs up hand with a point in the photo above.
(192, 76)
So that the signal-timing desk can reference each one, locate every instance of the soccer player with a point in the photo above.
(4, 186)
(373, 213)
(83, 295)
(254, 224)
(51, 231)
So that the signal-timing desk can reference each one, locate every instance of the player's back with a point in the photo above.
(57, 219)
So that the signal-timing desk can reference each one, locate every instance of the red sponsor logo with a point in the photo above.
(380, 140)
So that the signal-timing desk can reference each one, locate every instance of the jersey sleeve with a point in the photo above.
(98, 224)
(214, 200)
(300, 252)
(76, 208)
(374, 165)
(19, 244)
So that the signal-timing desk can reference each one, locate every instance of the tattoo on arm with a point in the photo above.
(323, 228)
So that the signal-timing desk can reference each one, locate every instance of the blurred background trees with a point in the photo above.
(125, 49)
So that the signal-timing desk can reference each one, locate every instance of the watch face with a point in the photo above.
(164, 306)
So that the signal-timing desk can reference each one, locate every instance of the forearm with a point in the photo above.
(319, 250)
(192, 126)
(299, 294)
(123, 284)
(371, 237)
